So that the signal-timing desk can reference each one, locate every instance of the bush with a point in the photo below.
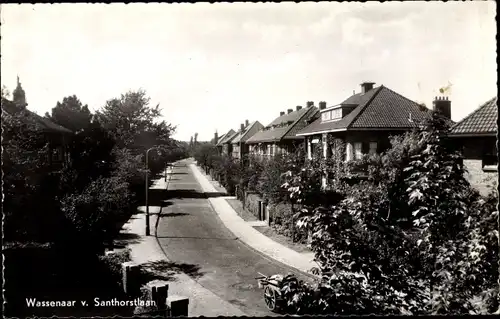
(283, 221)
(271, 179)
(94, 213)
(227, 169)
(413, 238)
(114, 263)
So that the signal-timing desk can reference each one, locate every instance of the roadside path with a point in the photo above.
(191, 232)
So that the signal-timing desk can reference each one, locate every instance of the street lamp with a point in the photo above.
(147, 191)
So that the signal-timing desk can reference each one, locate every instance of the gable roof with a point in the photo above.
(287, 126)
(482, 121)
(379, 108)
(41, 123)
(242, 136)
(226, 137)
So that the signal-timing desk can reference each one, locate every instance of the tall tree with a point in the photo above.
(72, 114)
(134, 123)
(195, 138)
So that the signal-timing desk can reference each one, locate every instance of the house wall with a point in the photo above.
(227, 149)
(236, 151)
(365, 137)
(474, 149)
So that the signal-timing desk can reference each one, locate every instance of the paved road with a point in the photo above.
(190, 232)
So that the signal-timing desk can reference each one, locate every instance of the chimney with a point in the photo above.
(366, 86)
(242, 127)
(310, 103)
(442, 106)
(290, 111)
(322, 105)
(246, 123)
(216, 137)
(299, 107)
(282, 113)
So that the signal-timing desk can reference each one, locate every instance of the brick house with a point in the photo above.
(280, 135)
(247, 130)
(365, 121)
(223, 145)
(476, 135)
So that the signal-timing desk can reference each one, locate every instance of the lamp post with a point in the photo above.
(147, 191)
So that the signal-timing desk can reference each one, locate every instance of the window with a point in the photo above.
(358, 150)
(490, 159)
(336, 114)
(348, 152)
(326, 116)
(271, 150)
(373, 148)
(57, 154)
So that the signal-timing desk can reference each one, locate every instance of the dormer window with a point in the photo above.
(332, 115)
(326, 116)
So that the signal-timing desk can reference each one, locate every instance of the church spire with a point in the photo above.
(19, 96)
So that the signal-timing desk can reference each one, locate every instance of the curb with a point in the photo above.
(249, 234)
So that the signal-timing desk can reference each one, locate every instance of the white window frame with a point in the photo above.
(358, 150)
(336, 114)
(349, 152)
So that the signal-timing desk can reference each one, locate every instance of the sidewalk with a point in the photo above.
(250, 236)
(146, 249)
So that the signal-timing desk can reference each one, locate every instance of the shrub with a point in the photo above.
(95, 212)
(271, 179)
(114, 263)
(413, 238)
(227, 169)
(283, 221)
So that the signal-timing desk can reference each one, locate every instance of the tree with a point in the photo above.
(91, 157)
(414, 238)
(29, 195)
(133, 122)
(72, 114)
(5, 92)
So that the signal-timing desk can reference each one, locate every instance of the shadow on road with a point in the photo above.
(178, 173)
(204, 238)
(191, 193)
(172, 214)
(166, 270)
(156, 197)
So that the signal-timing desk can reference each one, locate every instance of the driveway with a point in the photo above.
(191, 233)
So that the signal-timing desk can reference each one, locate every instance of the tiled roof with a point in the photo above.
(377, 108)
(226, 137)
(482, 121)
(301, 123)
(389, 109)
(41, 123)
(243, 135)
(284, 129)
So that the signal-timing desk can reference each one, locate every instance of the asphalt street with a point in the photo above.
(190, 232)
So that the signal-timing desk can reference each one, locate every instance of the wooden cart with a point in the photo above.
(272, 291)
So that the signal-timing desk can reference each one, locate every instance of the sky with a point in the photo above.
(213, 66)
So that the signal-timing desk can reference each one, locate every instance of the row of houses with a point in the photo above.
(364, 122)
